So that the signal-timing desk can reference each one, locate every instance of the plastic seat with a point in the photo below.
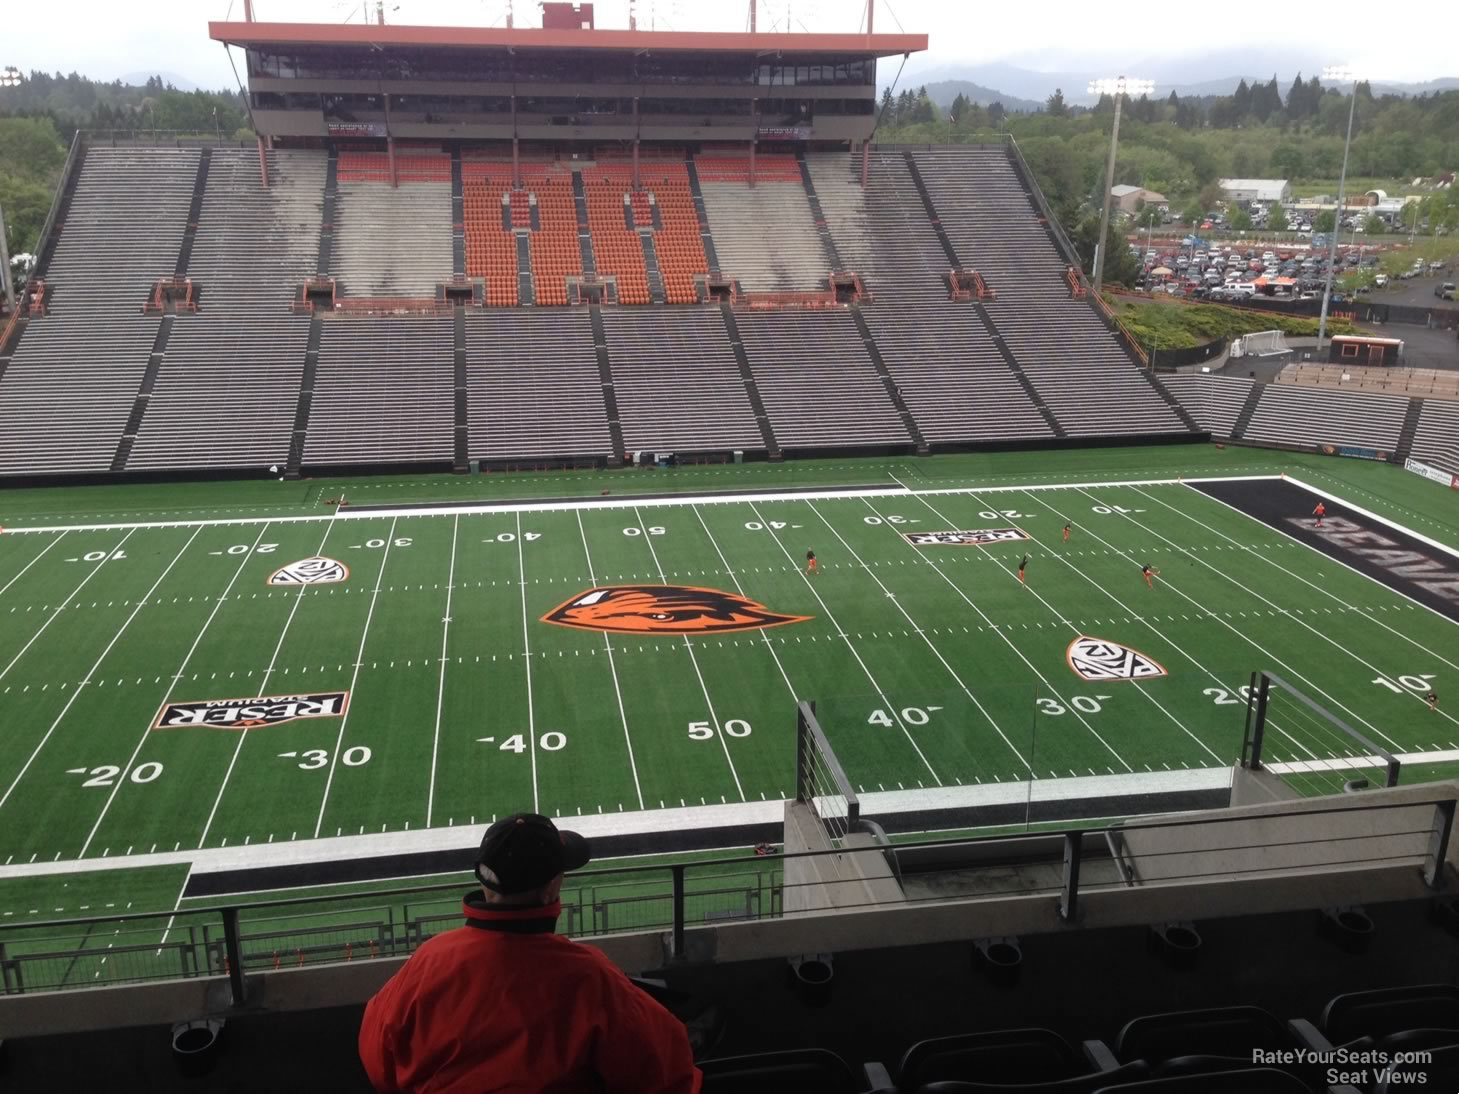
(1079, 1084)
(798, 1071)
(1390, 1010)
(1252, 1080)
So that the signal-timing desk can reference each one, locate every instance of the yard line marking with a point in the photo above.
(1299, 577)
(441, 687)
(171, 683)
(176, 904)
(32, 562)
(612, 668)
(527, 664)
(82, 686)
(1001, 632)
(694, 660)
(1060, 555)
(1216, 616)
(62, 605)
(841, 633)
(1070, 624)
(359, 660)
(263, 690)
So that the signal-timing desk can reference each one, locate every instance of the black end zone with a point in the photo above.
(1399, 560)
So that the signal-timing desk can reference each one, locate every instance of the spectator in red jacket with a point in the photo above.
(504, 1004)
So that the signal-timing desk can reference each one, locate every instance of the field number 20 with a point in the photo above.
(703, 731)
(106, 774)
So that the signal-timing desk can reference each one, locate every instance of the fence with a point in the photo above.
(231, 941)
(1193, 355)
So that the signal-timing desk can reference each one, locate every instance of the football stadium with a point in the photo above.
(603, 424)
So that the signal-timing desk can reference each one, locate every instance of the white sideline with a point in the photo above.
(626, 501)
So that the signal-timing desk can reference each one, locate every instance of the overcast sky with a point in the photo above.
(115, 38)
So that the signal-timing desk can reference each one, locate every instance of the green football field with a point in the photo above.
(424, 688)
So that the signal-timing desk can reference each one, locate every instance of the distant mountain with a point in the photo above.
(943, 92)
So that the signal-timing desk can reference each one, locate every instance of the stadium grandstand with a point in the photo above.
(1165, 806)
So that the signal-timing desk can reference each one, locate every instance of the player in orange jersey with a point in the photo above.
(810, 562)
(1067, 526)
(1021, 567)
(1150, 573)
(1320, 512)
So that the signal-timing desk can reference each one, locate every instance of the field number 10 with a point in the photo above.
(1412, 683)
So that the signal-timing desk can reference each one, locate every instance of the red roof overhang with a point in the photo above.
(660, 41)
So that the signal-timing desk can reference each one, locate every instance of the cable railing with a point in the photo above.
(238, 939)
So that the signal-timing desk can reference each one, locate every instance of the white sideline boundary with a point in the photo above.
(625, 501)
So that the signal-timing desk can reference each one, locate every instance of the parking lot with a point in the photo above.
(1416, 293)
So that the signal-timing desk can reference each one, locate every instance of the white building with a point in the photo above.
(1265, 190)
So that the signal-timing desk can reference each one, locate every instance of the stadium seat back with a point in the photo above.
(1389, 1010)
(798, 1071)
(995, 1057)
(1252, 1080)
(1079, 1084)
(1220, 1031)
(1440, 1071)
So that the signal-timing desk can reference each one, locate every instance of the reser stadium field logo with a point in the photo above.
(1099, 659)
(270, 710)
(311, 571)
(664, 609)
(974, 538)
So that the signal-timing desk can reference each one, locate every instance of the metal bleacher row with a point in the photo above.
(903, 365)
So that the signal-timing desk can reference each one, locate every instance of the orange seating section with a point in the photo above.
(555, 252)
(678, 244)
(491, 251)
(616, 248)
(771, 167)
(409, 167)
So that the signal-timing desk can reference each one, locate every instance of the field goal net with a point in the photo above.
(1311, 749)
(1265, 343)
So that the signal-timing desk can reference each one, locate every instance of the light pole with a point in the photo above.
(1337, 74)
(1119, 87)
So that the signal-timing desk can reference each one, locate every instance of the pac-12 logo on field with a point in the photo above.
(1100, 659)
(311, 571)
(974, 538)
(664, 609)
(267, 710)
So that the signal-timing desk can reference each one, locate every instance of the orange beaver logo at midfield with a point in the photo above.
(664, 609)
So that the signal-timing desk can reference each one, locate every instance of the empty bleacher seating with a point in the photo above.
(679, 388)
(1437, 439)
(1215, 402)
(392, 241)
(555, 252)
(1428, 383)
(617, 250)
(491, 250)
(817, 383)
(1316, 416)
(534, 387)
(676, 240)
(384, 392)
(765, 235)
(237, 362)
(73, 378)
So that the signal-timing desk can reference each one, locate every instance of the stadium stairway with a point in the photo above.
(767, 434)
(605, 377)
(651, 266)
(164, 329)
(1404, 448)
(893, 391)
(458, 216)
(1248, 409)
(585, 233)
(460, 460)
(705, 236)
(331, 203)
(306, 399)
(525, 290)
(828, 244)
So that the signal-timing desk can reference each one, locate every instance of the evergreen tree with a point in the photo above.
(1056, 108)
(996, 113)
(1241, 101)
(959, 108)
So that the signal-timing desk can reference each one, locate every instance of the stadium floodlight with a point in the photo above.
(10, 76)
(1119, 87)
(1337, 74)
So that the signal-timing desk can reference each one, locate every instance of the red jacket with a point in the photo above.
(505, 1005)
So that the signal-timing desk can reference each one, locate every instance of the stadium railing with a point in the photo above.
(1403, 834)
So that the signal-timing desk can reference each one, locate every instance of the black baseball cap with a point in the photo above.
(526, 850)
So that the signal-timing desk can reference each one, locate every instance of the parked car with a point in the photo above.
(1445, 291)
(1381, 281)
